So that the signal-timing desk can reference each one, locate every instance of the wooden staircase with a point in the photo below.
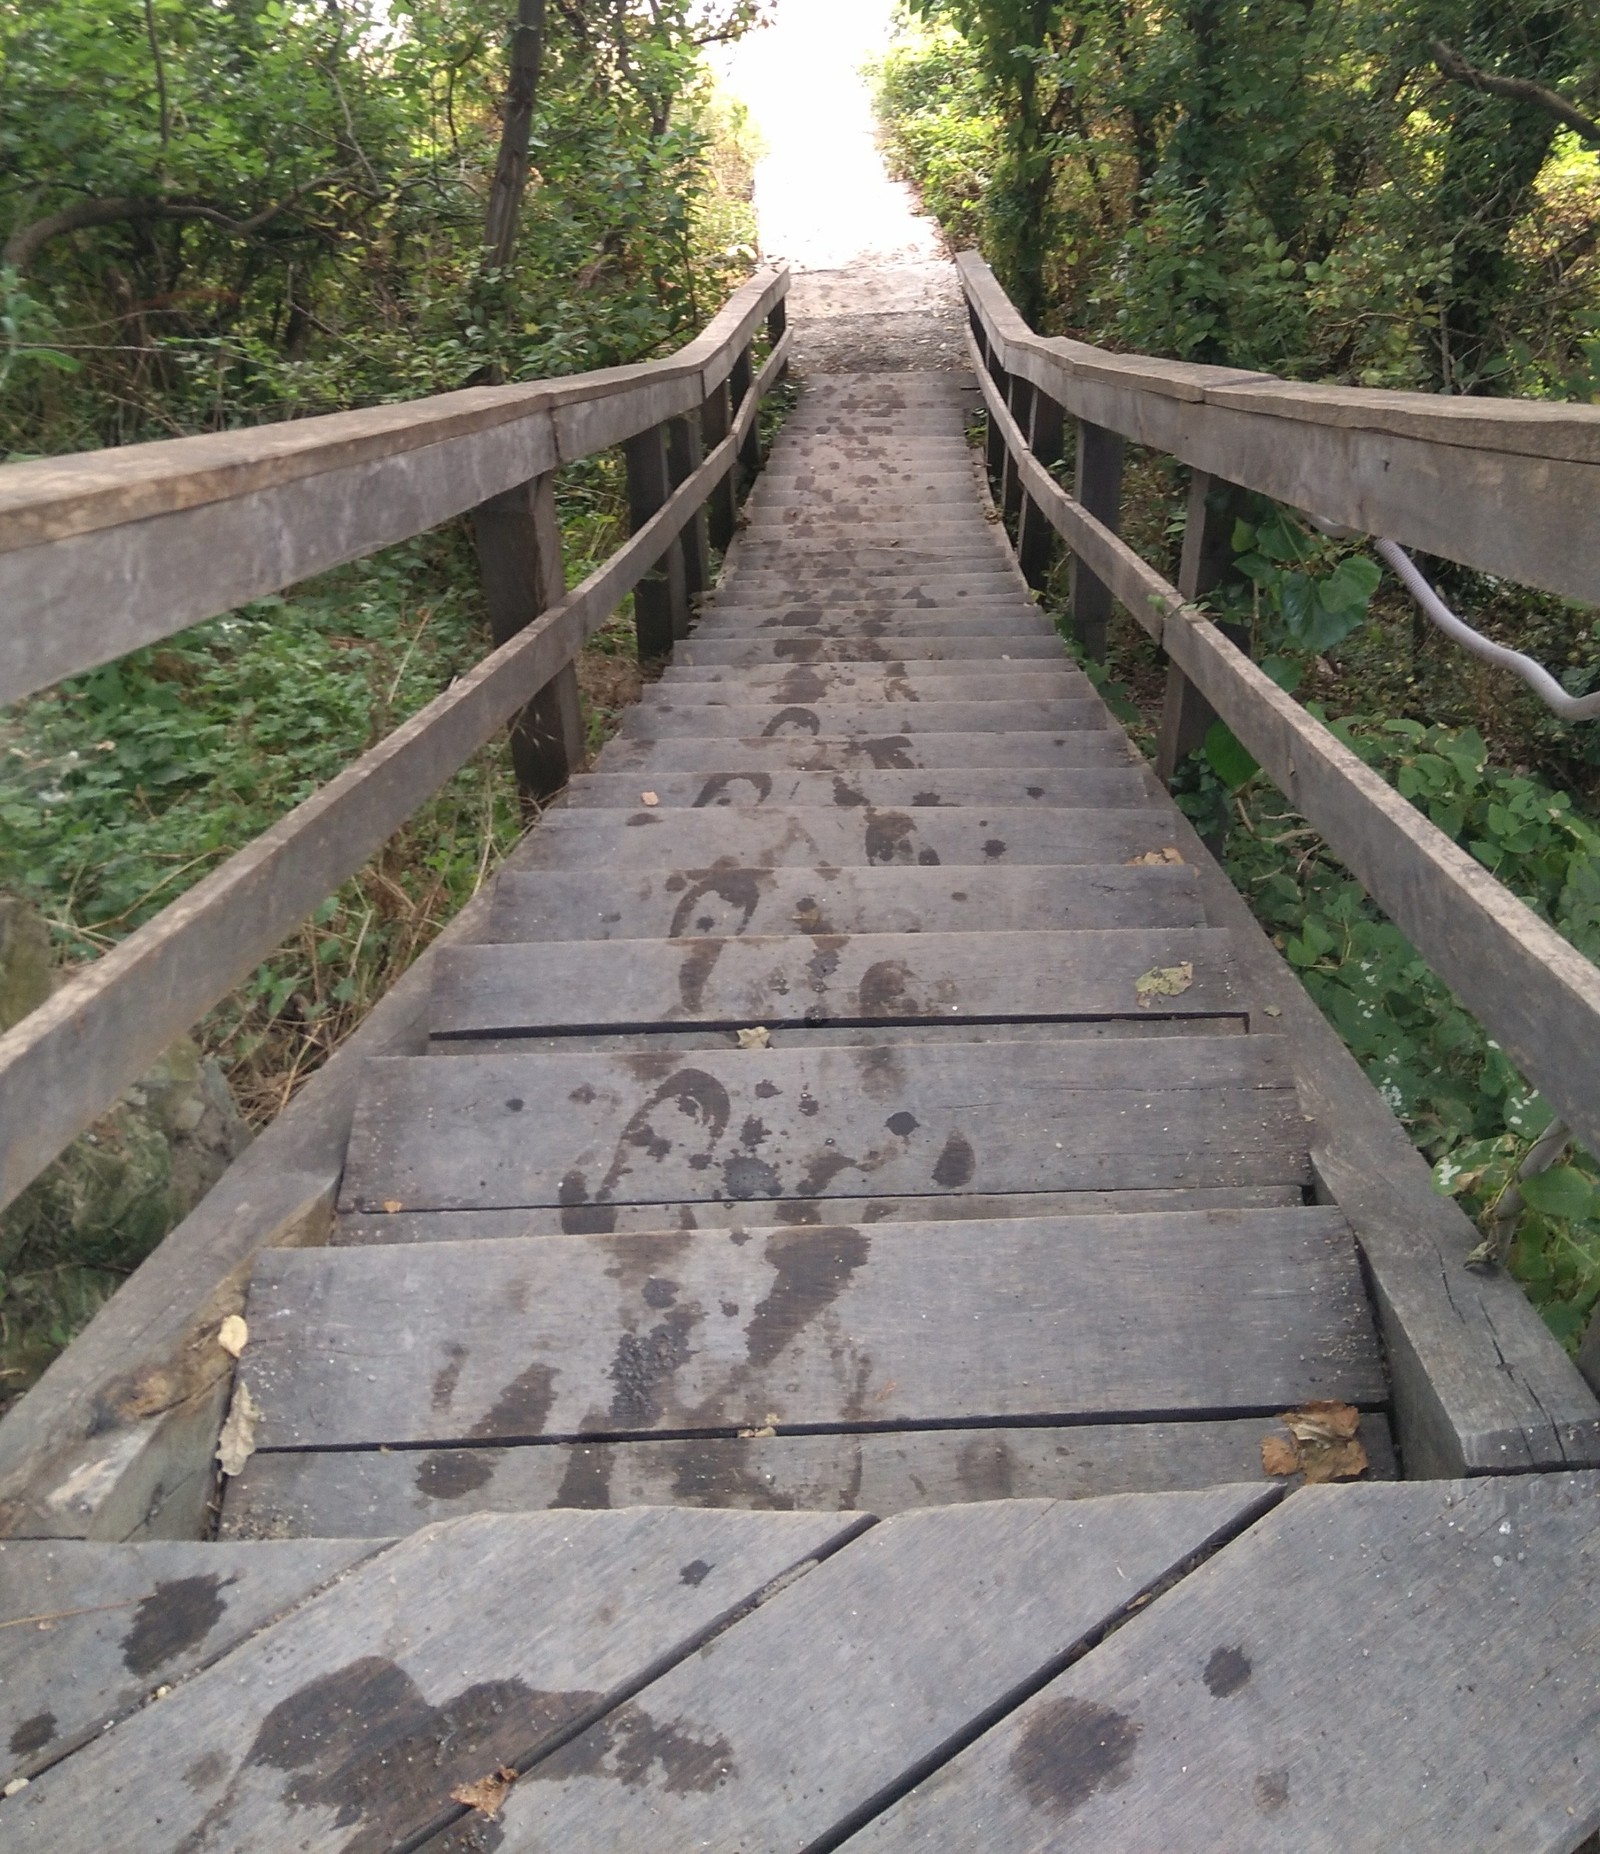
(851, 1107)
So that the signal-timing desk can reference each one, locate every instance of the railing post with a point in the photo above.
(518, 539)
(722, 510)
(660, 600)
(1098, 487)
(685, 453)
(777, 322)
(740, 382)
(1019, 402)
(1036, 539)
(1186, 715)
(994, 450)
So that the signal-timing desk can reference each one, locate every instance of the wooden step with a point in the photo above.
(875, 978)
(866, 620)
(893, 684)
(861, 720)
(1242, 1312)
(663, 1127)
(706, 650)
(783, 836)
(806, 752)
(1111, 787)
(374, 1492)
(594, 904)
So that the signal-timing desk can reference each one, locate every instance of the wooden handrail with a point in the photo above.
(1509, 486)
(110, 550)
(1534, 993)
(63, 1065)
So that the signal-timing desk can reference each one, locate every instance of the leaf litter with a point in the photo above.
(1163, 982)
(1322, 1444)
(488, 1793)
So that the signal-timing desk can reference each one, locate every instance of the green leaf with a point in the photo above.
(1563, 1191)
(1227, 757)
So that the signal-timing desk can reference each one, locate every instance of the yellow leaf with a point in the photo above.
(237, 1443)
(758, 1038)
(233, 1335)
(1162, 982)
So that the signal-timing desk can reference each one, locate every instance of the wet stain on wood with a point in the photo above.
(739, 889)
(453, 1473)
(1226, 1672)
(521, 1409)
(1072, 1749)
(32, 1734)
(718, 789)
(812, 1269)
(630, 1747)
(586, 1478)
(643, 1363)
(447, 1376)
(175, 1616)
(955, 1164)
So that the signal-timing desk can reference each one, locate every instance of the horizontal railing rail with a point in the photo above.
(358, 481)
(1534, 993)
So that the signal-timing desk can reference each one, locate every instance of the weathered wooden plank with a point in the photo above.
(1465, 490)
(1480, 1386)
(712, 652)
(1111, 787)
(881, 753)
(478, 1131)
(894, 684)
(874, 1686)
(821, 978)
(1533, 991)
(471, 1225)
(118, 548)
(368, 1493)
(62, 1065)
(786, 623)
(952, 836)
(89, 1632)
(903, 1324)
(573, 904)
(753, 719)
(348, 1725)
(1440, 1617)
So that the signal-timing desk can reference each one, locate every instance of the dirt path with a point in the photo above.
(874, 291)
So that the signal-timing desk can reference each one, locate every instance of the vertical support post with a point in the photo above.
(740, 383)
(518, 539)
(684, 454)
(777, 322)
(994, 450)
(1099, 489)
(660, 600)
(722, 510)
(1036, 539)
(1019, 402)
(1186, 715)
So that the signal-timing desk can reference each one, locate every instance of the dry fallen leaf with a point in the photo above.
(747, 1435)
(487, 1794)
(237, 1443)
(1321, 1444)
(758, 1038)
(392, 1204)
(1166, 854)
(1279, 1455)
(649, 798)
(233, 1335)
(1323, 1421)
(1162, 982)
(1273, 1010)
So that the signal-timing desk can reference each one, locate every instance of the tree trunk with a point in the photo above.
(511, 165)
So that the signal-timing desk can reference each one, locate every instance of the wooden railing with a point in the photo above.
(1507, 486)
(103, 553)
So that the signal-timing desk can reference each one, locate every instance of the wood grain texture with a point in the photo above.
(347, 1726)
(705, 652)
(821, 978)
(369, 1493)
(1356, 1674)
(873, 1685)
(588, 1131)
(1103, 787)
(807, 752)
(964, 836)
(693, 1332)
(568, 904)
(88, 1632)
(894, 683)
(665, 719)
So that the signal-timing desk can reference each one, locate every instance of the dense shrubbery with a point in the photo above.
(218, 215)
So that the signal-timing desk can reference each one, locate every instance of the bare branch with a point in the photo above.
(25, 244)
(1518, 89)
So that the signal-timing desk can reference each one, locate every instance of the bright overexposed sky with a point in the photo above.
(823, 199)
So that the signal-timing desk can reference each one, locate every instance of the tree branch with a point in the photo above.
(25, 244)
(1518, 89)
